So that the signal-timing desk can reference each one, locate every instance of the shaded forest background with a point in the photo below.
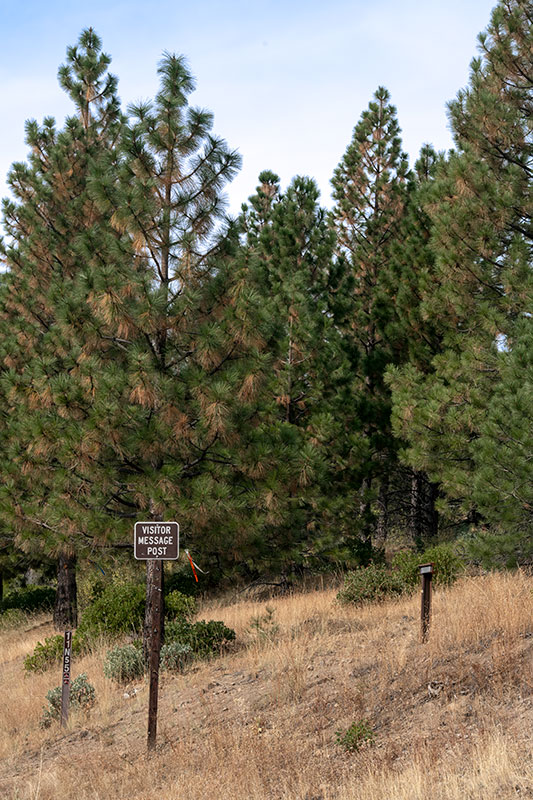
(300, 388)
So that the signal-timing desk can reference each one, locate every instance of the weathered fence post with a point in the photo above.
(426, 572)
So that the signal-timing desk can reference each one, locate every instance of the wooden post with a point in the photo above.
(154, 542)
(155, 649)
(65, 683)
(426, 572)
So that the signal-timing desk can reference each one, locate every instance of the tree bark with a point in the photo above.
(153, 589)
(431, 512)
(416, 510)
(366, 521)
(66, 603)
(382, 529)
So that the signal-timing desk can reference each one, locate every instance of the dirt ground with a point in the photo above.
(262, 721)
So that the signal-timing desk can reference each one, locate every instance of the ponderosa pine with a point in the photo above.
(481, 209)
(289, 247)
(47, 223)
(174, 421)
(411, 276)
(369, 192)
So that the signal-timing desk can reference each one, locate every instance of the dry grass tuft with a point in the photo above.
(452, 719)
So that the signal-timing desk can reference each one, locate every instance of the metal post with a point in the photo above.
(65, 683)
(426, 572)
(155, 649)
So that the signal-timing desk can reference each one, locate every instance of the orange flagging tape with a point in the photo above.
(192, 566)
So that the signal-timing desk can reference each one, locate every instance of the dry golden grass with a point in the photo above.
(452, 719)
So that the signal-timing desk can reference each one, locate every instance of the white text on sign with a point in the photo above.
(156, 540)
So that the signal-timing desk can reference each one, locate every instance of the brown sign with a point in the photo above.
(156, 540)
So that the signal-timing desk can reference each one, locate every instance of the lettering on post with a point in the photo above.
(65, 683)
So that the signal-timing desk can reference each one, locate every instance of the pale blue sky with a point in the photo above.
(287, 81)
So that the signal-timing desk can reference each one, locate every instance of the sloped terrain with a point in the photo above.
(450, 719)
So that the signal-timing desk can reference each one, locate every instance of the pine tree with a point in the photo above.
(480, 208)
(47, 223)
(502, 481)
(412, 276)
(172, 427)
(369, 190)
(288, 248)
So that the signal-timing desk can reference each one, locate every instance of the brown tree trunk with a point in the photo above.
(66, 604)
(382, 528)
(431, 512)
(366, 521)
(155, 586)
(416, 510)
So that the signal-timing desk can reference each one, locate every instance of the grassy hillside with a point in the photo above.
(450, 720)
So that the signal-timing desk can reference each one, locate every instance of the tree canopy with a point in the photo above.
(297, 385)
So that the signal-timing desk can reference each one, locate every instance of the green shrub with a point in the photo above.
(352, 738)
(377, 582)
(179, 606)
(44, 654)
(370, 584)
(118, 610)
(204, 638)
(82, 696)
(50, 653)
(175, 656)
(124, 664)
(448, 564)
(90, 588)
(30, 598)
(405, 566)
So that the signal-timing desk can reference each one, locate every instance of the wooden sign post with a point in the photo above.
(155, 542)
(65, 682)
(426, 572)
(155, 650)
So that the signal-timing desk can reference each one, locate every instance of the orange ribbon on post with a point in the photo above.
(195, 567)
(192, 566)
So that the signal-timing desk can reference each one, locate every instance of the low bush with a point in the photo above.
(124, 664)
(30, 598)
(444, 557)
(377, 581)
(370, 584)
(175, 656)
(179, 606)
(405, 565)
(44, 654)
(204, 638)
(82, 696)
(49, 653)
(352, 738)
(448, 564)
(118, 610)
